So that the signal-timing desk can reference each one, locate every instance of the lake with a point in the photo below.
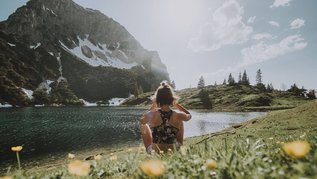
(48, 131)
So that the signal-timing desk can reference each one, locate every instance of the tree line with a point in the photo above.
(244, 80)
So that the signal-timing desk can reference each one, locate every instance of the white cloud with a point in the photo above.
(278, 3)
(262, 52)
(274, 23)
(251, 20)
(297, 23)
(262, 36)
(225, 28)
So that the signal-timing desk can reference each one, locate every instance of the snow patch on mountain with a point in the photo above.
(5, 105)
(51, 11)
(35, 46)
(104, 59)
(60, 68)
(45, 86)
(28, 92)
(88, 104)
(116, 101)
(12, 45)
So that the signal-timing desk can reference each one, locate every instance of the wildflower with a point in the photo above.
(17, 149)
(130, 150)
(6, 177)
(153, 168)
(296, 149)
(71, 156)
(98, 157)
(79, 168)
(183, 150)
(169, 150)
(161, 152)
(211, 164)
(271, 138)
(114, 158)
(302, 136)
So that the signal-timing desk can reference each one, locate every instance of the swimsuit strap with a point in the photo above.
(165, 115)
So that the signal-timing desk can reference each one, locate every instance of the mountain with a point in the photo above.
(47, 44)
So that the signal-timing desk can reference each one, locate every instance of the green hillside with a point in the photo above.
(230, 98)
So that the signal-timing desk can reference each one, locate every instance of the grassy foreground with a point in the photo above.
(254, 149)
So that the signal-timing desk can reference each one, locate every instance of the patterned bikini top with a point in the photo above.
(164, 133)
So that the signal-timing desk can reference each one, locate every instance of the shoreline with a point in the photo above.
(145, 107)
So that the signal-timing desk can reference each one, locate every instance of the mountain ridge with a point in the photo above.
(66, 37)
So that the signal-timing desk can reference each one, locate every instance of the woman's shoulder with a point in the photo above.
(180, 115)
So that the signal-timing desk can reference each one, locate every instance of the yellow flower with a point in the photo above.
(114, 157)
(79, 168)
(169, 150)
(153, 168)
(161, 152)
(71, 156)
(98, 157)
(211, 164)
(6, 177)
(17, 148)
(271, 138)
(296, 149)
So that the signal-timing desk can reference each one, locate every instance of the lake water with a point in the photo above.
(46, 131)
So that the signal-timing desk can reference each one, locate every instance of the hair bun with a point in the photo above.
(164, 83)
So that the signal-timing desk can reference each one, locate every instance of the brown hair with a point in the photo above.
(164, 94)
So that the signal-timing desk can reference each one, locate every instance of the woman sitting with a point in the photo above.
(161, 127)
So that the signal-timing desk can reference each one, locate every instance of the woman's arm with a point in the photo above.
(186, 116)
(149, 114)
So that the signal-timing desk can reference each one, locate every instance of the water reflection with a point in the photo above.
(205, 122)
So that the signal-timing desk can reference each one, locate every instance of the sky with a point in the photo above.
(212, 38)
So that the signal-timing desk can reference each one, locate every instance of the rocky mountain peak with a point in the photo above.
(60, 38)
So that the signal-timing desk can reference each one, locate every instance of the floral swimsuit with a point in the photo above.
(164, 133)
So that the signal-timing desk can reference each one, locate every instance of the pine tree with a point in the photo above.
(224, 82)
(136, 90)
(269, 88)
(245, 79)
(140, 90)
(259, 83)
(231, 80)
(205, 99)
(201, 83)
(258, 77)
(295, 90)
(239, 78)
(215, 83)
